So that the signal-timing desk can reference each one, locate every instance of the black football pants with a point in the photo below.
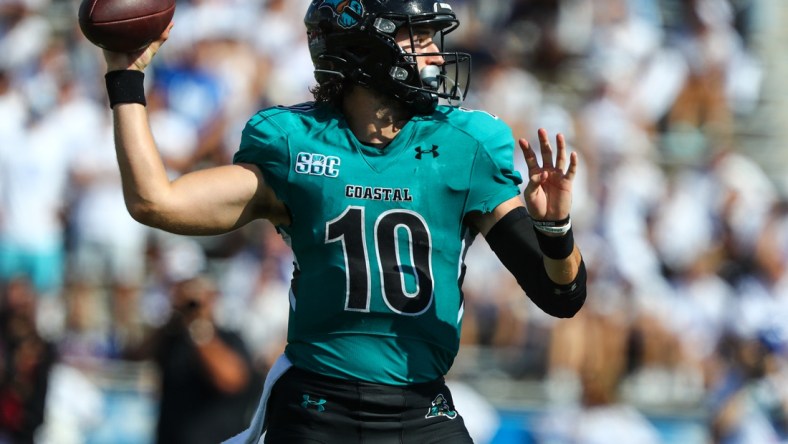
(305, 407)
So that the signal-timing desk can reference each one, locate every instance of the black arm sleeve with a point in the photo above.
(514, 242)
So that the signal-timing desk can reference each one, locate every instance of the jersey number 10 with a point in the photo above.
(349, 229)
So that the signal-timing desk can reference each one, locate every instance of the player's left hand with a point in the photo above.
(548, 194)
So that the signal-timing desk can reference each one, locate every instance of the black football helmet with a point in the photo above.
(355, 40)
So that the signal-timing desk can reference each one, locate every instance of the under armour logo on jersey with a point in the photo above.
(420, 152)
(441, 407)
(317, 405)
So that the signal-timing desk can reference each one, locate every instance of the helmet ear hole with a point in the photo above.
(385, 26)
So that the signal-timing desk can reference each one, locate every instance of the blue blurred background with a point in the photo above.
(677, 109)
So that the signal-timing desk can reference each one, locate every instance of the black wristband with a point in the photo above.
(556, 247)
(125, 86)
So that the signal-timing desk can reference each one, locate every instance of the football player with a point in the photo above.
(379, 185)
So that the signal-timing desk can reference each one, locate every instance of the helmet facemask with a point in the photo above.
(433, 81)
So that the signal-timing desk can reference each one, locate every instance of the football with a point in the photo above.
(124, 25)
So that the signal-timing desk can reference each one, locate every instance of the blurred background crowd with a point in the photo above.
(674, 107)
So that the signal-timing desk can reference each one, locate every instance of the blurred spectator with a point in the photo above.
(283, 53)
(25, 363)
(85, 338)
(207, 382)
(748, 402)
(723, 78)
(107, 248)
(177, 137)
(260, 307)
(107, 245)
(34, 176)
(13, 120)
(24, 32)
(597, 415)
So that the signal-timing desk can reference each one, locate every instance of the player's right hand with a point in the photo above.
(138, 60)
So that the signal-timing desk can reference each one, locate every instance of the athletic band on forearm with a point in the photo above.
(514, 241)
(125, 86)
(556, 247)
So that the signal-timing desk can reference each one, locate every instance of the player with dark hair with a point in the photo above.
(379, 186)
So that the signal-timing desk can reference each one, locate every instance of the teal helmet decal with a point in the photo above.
(348, 13)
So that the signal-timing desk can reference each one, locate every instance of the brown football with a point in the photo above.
(124, 25)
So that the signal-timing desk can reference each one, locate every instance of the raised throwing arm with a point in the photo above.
(209, 201)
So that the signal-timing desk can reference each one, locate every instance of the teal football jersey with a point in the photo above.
(378, 235)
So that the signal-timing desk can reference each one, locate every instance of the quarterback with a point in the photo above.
(379, 186)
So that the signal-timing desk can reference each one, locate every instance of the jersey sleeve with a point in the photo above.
(265, 144)
(493, 177)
